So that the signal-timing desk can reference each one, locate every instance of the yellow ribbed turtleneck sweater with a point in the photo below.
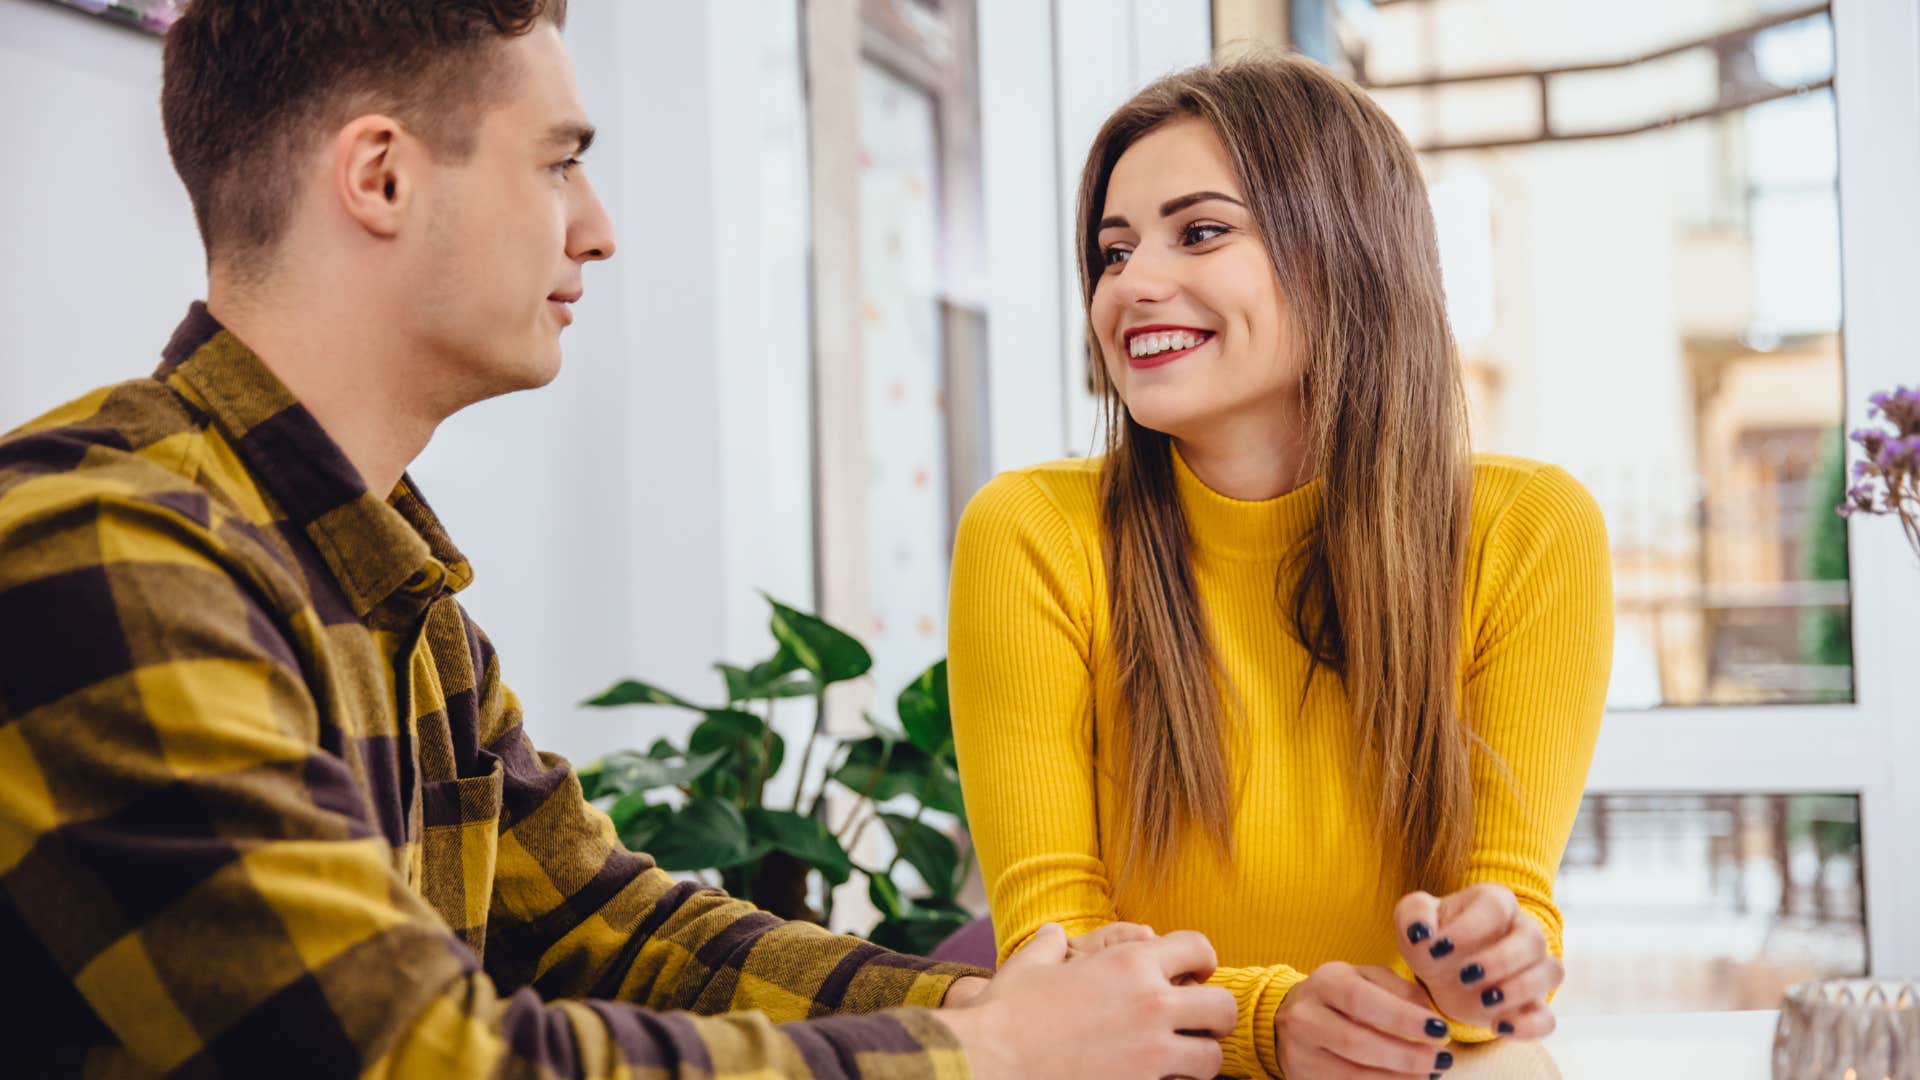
(1037, 723)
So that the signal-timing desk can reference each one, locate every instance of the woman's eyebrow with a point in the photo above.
(1174, 206)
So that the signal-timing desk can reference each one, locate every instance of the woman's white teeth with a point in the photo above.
(1166, 341)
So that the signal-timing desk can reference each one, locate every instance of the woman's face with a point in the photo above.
(1192, 325)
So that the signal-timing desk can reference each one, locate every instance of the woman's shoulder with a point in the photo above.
(1517, 498)
(1044, 518)
(1051, 493)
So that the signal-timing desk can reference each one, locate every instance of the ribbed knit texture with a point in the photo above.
(1039, 725)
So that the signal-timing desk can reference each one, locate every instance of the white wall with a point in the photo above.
(98, 253)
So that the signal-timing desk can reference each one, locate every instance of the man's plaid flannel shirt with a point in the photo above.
(266, 808)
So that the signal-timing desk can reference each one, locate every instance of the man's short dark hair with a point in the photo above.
(249, 83)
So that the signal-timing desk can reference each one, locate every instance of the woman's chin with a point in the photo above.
(1166, 414)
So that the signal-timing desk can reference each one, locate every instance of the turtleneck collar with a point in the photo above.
(1266, 529)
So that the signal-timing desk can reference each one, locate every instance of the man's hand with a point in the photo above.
(1116, 933)
(1346, 1021)
(1484, 961)
(964, 991)
(1117, 1013)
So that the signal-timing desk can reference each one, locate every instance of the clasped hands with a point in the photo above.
(1479, 959)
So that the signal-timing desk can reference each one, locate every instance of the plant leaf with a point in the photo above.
(924, 712)
(823, 649)
(635, 692)
(765, 681)
(705, 834)
(804, 838)
(880, 770)
(625, 771)
(661, 748)
(927, 850)
(723, 728)
(940, 789)
(638, 821)
(885, 895)
(917, 932)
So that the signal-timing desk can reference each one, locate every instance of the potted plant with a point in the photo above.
(704, 807)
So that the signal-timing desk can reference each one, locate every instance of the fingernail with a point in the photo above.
(1471, 974)
(1441, 948)
(1436, 1028)
(1504, 1028)
(1492, 997)
(1443, 1061)
(1418, 933)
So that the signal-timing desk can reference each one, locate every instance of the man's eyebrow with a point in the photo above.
(577, 134)
(1174, 206)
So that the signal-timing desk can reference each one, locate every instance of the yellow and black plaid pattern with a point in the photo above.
(266, 807)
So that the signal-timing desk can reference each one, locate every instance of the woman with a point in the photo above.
(1288, 665)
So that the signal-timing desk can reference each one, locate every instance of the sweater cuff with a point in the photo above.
(1250, 1051)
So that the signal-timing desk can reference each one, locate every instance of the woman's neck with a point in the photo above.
(1252, 460)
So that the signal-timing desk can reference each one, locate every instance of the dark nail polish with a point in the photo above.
(1443, 1061)
(1492, 997)
(1433, 1076)
(1504, 1028)
(1418, 933)
(1441, 948)
(1471, 974)
(1436, 1029)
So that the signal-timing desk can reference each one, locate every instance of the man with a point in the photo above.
(266, 807)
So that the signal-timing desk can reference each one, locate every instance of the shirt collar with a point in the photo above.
(378, 550)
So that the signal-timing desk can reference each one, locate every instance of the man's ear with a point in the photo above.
(373, 173)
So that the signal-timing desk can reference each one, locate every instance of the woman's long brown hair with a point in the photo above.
(1337, 196)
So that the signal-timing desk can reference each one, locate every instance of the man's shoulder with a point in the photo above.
(135, 446)
(114, 429)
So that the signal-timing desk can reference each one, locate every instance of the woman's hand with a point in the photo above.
(1346, 1021)
(1484, 961)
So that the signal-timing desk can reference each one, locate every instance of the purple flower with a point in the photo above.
(1871, 439)
(1901, 456)
(1901, 407)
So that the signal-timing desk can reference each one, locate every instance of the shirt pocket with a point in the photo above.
(459, 849)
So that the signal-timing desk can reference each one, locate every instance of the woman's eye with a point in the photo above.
(1200, 233)
(565, 168)
(1114, 256)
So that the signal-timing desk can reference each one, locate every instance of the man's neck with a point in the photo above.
(338, 364)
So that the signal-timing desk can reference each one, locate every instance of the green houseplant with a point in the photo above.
(704, 807)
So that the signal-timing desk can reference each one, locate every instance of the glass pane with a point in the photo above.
(901, 346)
(1678, 903)
(1657, 311)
